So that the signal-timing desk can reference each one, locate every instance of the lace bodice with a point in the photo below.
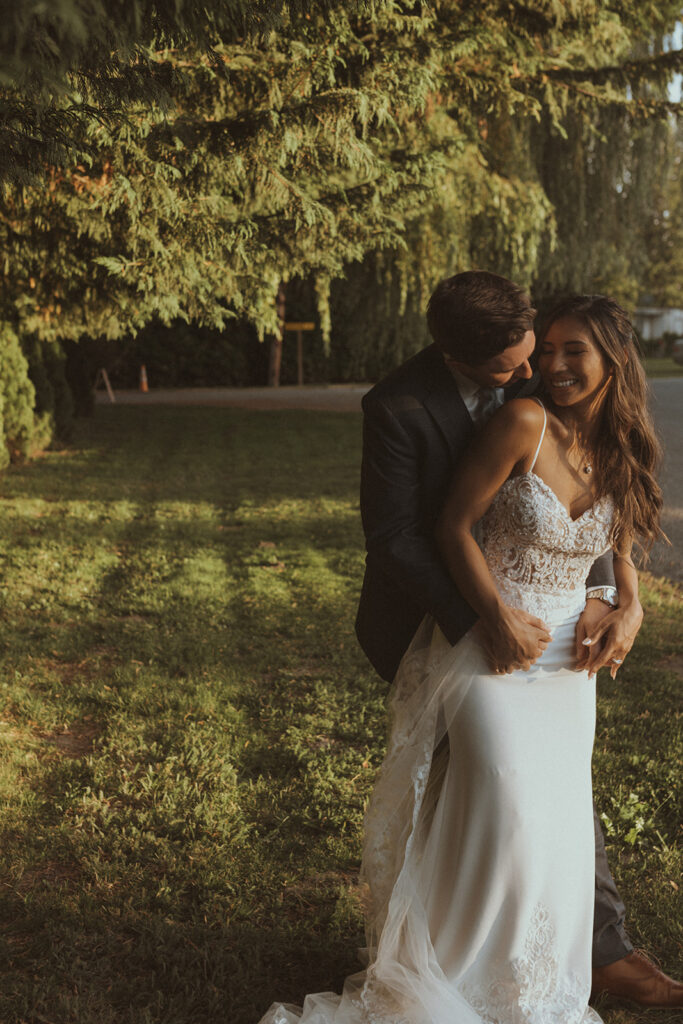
(538, 555)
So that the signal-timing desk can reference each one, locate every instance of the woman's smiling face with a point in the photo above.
(572, 366)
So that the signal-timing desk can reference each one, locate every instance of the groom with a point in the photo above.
(417, 422)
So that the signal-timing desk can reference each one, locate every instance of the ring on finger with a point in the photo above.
(617, 661)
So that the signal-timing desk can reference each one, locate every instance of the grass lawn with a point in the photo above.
(188, 731)
(655, 367)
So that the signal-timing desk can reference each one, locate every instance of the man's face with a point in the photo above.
(510, 365)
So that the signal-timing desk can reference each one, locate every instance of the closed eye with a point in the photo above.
(574, 350)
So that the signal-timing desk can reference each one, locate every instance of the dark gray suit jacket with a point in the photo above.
(414, 429)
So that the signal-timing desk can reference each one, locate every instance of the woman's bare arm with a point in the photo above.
(513, 638)
(619, 627)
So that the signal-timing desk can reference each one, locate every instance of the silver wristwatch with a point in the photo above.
(610, 595)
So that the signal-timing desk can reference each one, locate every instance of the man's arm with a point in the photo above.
(601, 574)
(392, 520)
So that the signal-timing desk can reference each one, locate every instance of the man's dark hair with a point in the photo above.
(476, 315)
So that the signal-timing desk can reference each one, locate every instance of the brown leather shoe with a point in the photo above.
(635, 977)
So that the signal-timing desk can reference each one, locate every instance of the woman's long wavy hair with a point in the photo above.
(627, 452)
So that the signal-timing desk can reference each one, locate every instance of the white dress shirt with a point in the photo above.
(480, 402)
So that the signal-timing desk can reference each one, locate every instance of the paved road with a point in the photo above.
(330, 397)
(667, 406)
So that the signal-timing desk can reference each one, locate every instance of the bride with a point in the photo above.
(484, 798)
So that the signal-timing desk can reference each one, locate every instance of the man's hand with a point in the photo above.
(514, 640)
(605, 635)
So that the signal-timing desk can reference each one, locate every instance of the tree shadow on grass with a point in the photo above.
(72, 954)
(149, 604)
(121, 880)
(215, 455)
(143, 869)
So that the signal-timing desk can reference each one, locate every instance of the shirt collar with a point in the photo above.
(469, 389)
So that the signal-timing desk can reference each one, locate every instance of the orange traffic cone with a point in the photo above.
(144, 387)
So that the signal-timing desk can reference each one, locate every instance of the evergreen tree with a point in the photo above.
(17, 401)
(353, 129)
(228, 148)
(664, 235)
(67, 63)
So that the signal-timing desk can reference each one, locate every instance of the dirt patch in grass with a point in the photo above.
(68, 672)
(52, 872)
(322, 742)
(672, 663)
(324, 882)
(304, 668)
(76, 741)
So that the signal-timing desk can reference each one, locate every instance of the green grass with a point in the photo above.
(188, 731)
(655, 367)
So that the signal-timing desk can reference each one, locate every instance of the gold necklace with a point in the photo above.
(585, 463)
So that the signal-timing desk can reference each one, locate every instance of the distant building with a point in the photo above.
(653, 322)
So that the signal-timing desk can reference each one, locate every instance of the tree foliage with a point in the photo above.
(223, 148)
(69, 62)
(17, 400)
(664, 233)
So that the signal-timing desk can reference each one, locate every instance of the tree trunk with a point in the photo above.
(275, 360)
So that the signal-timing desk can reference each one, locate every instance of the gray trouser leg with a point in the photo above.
(610, 941)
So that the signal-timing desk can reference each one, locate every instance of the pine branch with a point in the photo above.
(629, 73)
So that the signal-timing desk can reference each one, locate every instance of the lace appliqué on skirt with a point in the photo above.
(529, 989)
(377, 1005)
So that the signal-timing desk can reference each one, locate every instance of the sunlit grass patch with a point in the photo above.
(662, 367)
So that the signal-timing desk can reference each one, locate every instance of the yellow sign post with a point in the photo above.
(300, 328)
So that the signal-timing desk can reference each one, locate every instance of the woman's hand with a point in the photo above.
(604, 636)
(589, 620)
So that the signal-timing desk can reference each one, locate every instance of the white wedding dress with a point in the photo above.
(479, 855)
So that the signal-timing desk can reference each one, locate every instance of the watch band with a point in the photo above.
(610, 595)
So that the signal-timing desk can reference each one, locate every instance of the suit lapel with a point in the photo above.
(446, 407)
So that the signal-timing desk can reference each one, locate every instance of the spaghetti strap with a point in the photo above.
(545, 424)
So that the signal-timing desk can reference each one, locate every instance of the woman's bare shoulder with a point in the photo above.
(520, 414)
(512, 432)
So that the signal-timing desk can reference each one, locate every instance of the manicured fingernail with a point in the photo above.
(587, 642)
